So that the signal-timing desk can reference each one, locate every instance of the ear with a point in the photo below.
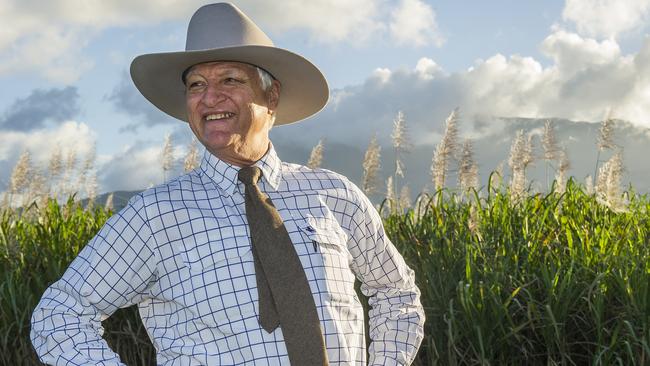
(273, 96)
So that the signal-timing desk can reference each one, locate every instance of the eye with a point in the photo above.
(232, 80)
(195, 85)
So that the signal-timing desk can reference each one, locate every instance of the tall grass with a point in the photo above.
(508, 277)
(36, 246)
(547, 280)
(557, 279)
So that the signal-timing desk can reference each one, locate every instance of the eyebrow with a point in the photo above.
(228, 72)
(188, 72)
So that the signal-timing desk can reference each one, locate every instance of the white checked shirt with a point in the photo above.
(182, 252)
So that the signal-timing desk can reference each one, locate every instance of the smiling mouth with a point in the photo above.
(219, 116)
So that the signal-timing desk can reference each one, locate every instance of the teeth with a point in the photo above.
(211, 117)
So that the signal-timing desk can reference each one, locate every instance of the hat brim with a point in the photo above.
(303, 92)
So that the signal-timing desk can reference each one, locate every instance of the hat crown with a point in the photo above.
(223, 25)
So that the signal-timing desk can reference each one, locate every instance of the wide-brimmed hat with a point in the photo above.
(222, 32)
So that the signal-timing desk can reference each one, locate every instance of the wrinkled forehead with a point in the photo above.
(218, 64)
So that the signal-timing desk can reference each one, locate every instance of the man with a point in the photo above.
(246, 260)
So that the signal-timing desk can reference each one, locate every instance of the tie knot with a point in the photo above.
(249, 175)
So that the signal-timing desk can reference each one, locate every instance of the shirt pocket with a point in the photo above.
(329, 242)
(219, 270)
(326, 232)
(211, 248)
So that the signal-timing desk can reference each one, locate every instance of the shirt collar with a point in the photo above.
(224, 175)
(271, 167)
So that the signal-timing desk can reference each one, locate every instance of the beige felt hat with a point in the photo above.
(222, 32)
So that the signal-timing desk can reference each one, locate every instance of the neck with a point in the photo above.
(245, 156)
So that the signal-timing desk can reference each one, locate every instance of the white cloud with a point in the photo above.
(427, 68)
(133, 168)
(381, 74)
(328, 21)
(69, 136)
(575, 52)
(501, 86)
(584, 79)
(49, 37)
(606, 18)
(139, 165)
(47, 49)
(414, 23)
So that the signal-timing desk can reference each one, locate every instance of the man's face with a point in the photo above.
(229, 112)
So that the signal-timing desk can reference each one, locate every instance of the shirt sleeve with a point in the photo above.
(114, 270)
(396, 317)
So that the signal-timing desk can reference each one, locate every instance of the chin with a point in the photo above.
(217, 139)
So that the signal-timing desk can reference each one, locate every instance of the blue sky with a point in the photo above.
(63, 72)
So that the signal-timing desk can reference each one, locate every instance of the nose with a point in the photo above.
(212, 95)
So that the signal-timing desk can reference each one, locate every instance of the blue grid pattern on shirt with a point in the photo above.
(182, 252)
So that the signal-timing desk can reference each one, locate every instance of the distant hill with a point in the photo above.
(492, 139)
(120, 199)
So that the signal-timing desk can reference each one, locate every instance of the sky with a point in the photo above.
(506, 65)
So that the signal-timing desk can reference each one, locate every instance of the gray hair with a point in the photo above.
(266, 80)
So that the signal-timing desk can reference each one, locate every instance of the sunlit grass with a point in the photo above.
(551, 279)
(36, 246)
(547, 279)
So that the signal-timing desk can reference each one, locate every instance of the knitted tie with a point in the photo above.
(284, 295)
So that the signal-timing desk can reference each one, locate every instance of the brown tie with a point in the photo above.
(284, 295)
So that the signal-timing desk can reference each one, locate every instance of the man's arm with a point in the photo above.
(113, 271)
(396, 317)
